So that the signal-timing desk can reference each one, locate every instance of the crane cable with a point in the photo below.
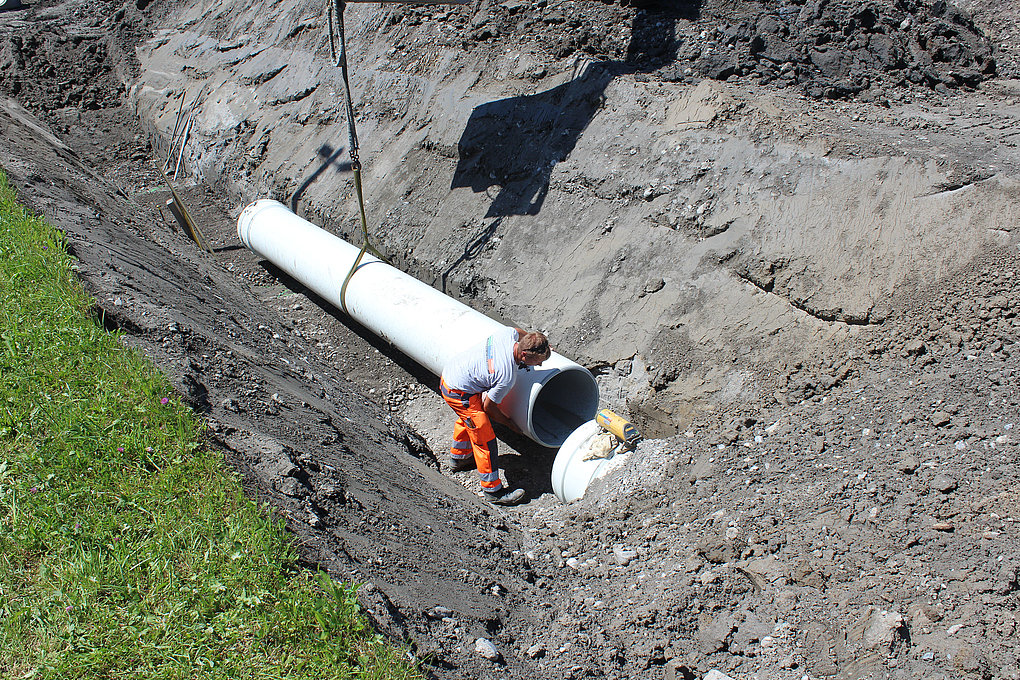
(338, 49)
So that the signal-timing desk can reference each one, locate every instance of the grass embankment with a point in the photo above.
(127, 550)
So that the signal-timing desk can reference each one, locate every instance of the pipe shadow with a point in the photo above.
(514, 144)
(329, 157)
(532, 469)
(421, 374)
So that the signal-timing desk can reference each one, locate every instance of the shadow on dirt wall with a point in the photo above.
(515, 143)
(330, 157)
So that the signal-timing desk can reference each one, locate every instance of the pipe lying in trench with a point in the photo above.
(547, 402)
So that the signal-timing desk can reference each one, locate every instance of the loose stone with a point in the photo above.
(485, 648)
(624, 555)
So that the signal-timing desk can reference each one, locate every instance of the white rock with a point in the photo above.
(716, 675)
(623, 554)
(708, 576)
(487, 649)
(439, 613)
(881, 628)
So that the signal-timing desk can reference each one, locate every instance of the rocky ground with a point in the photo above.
(782, 235)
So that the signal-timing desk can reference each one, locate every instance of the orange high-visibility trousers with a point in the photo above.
(473, 435)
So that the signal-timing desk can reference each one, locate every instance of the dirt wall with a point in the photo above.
(625, 213)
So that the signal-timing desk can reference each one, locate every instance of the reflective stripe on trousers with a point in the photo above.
(473, 435)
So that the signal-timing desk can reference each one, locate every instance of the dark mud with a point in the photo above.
(828, 50)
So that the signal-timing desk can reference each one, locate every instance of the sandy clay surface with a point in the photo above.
(782, 235)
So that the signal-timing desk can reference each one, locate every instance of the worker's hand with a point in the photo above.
(496, 414)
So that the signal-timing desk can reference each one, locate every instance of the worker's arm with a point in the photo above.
(496, 414)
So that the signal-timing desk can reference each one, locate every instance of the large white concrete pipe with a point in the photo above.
(547, 403)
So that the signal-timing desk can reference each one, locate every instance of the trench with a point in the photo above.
(639, 587)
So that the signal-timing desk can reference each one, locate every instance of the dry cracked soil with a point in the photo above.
(781, 234)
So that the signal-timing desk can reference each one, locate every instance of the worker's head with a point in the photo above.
(533, 349)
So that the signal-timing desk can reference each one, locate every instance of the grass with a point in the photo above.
(127, 549)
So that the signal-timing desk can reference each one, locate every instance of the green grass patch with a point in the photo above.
(127, 549)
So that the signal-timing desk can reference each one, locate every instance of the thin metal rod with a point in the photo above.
(173, 135)
(184, 141)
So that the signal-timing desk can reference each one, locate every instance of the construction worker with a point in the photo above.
(473, 384)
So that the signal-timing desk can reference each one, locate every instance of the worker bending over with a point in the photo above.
(473, 384)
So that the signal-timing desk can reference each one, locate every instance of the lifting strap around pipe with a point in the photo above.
(338, 48)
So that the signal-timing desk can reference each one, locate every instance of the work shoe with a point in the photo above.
(505, 496)
(462, 464)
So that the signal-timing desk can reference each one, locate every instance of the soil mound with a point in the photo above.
(74, 55)
(69, 54)
(829, 49)
(838, 49)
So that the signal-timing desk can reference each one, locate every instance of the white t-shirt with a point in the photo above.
(487, 367)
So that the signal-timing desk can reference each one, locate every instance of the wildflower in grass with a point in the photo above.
(120, 449)
(68, 608)
(149, 449)
(34, 489)
(164, 401)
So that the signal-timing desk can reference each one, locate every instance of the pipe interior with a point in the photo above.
(568, 400)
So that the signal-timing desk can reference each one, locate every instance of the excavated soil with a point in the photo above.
(783, 236)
